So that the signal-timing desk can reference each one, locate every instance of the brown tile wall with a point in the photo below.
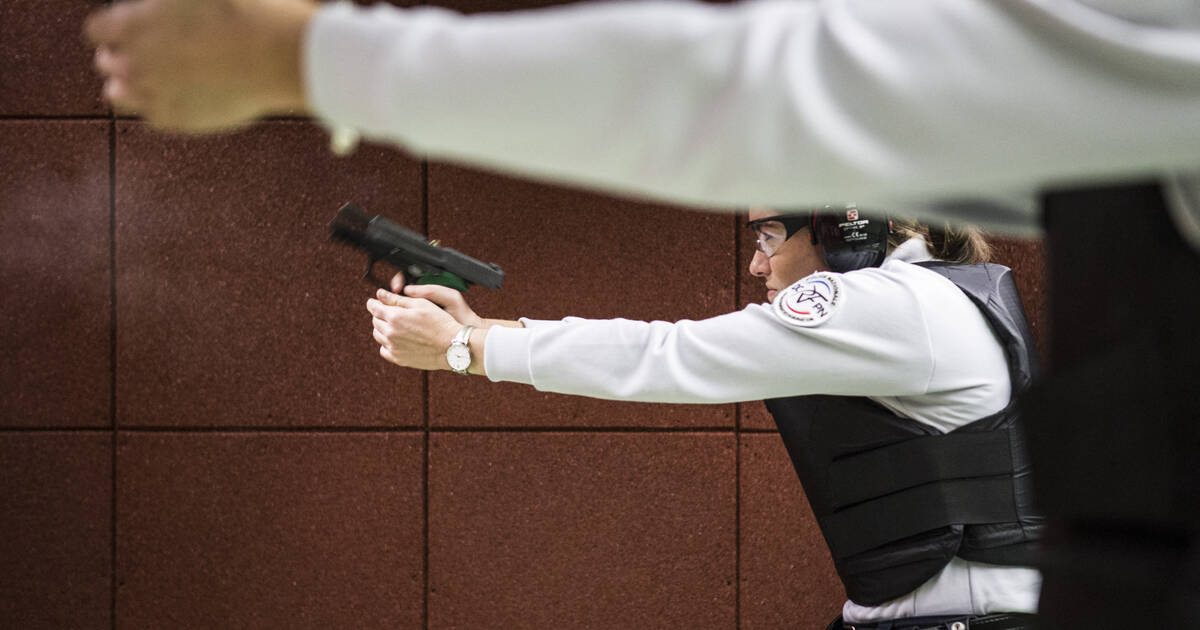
(196, 430)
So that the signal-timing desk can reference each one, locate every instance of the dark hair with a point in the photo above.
(958, 243)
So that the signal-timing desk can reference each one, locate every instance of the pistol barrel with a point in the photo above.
(401, 247)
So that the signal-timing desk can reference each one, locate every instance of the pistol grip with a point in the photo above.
(444, 278)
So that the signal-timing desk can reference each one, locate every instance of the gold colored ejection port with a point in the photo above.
(436, 242)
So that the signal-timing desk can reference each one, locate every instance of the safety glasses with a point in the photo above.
(771, 232)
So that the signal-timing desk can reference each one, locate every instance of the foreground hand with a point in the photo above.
(412, 332)
(201, 65)
(449, 299)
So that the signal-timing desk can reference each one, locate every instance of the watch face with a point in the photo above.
(459, 357)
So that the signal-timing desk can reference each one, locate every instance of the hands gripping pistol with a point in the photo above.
(421, 261)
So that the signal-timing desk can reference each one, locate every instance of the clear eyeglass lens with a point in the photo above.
(771, 235)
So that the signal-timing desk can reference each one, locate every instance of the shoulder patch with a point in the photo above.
(810, 301)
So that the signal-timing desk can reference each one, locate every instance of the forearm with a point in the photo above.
(775, 103)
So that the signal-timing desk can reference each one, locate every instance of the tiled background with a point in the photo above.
(196, 430)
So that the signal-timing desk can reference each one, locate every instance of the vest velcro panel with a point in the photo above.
(864, 476)
(918, 485)
(915, 510)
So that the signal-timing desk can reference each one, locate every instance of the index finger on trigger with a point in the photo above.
(398, 282)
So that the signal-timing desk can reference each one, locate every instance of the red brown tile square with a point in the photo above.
(233, 309)
(270, 530)
(787, 574)
(55, 218)
(56, 550)
(47, 63)
(567, 252)
(581, 530)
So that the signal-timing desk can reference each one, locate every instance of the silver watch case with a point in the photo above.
(458, 355)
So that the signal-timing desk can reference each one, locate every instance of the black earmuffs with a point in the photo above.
(849, 239)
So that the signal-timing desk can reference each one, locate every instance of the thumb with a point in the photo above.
(387, 297)
(436, 293)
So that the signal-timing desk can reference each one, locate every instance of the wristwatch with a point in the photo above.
(458, 355)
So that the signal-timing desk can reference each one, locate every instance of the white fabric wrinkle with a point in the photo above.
(602, 95)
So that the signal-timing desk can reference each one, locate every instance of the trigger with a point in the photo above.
(370, 267)
(369, 274)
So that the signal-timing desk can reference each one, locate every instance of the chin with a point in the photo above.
(771, 293)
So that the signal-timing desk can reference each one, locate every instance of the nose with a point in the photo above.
(760, 265)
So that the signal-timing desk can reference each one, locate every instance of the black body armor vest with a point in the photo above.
(896, 499)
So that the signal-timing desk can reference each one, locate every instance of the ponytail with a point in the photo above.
(957, 243)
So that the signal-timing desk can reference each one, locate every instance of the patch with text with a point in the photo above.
(810, 301)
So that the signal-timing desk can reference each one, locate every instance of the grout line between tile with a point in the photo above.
(44, 429)
(409, 429)
(737, 530)
(425, 508)
(112, 361)
(81, 117)
(425, 197)
(578, 429)
(296, 429)
(737, 445)
(427, 427)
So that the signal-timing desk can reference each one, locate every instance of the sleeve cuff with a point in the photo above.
(506, 355)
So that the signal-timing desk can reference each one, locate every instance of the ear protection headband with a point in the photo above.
(850, 241)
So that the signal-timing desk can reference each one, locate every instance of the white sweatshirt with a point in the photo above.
(910, 105)
(899, 334)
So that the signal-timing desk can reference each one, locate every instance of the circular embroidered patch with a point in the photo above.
(810, 301)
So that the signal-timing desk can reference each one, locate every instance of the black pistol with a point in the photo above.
(421, 261)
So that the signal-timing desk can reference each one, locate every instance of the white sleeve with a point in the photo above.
(773, 102)
(875, 343)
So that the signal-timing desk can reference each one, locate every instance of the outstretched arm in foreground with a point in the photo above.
(204, 65)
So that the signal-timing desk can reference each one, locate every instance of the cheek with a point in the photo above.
(795, 271)
(798, 267)
(808, 259)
